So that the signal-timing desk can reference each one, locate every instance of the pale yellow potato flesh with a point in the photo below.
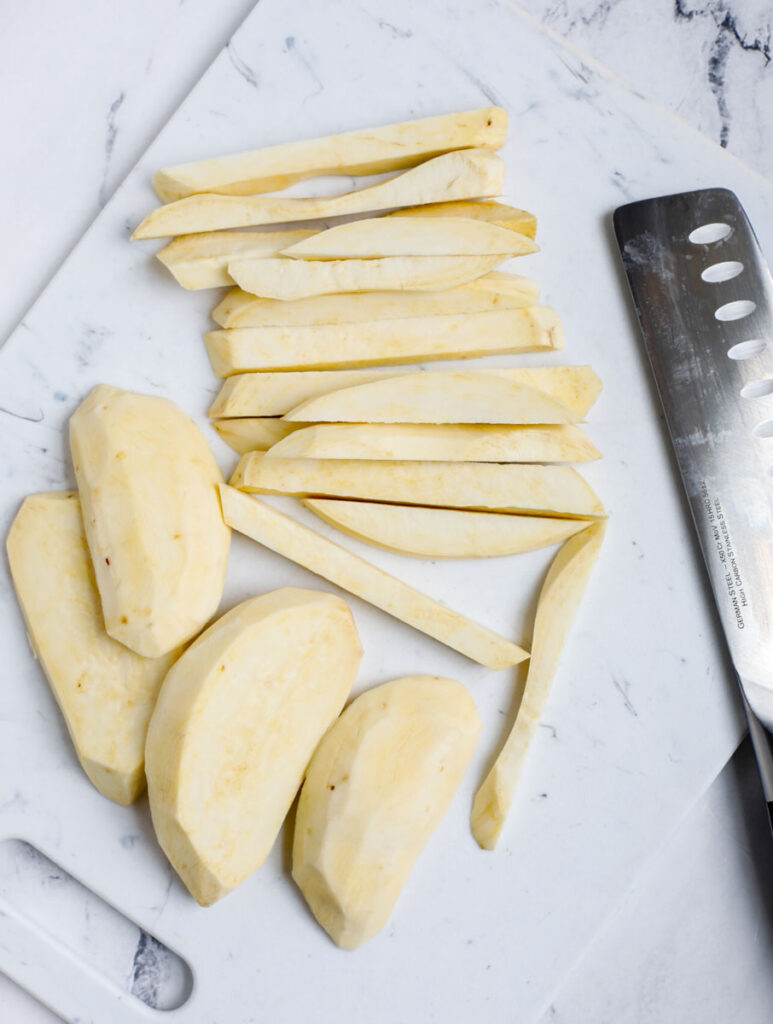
(378, 237)
(274, 394)
(442, 532)
(254, 433)
(559, 599)
(288, 279)
(468, 174)
(106, 692)
(236, 723)
(422, 442)
(419, 339)
(478, 486)
(240, 309)
(376, 789)
(201, 261)
(495, 213)
(445, 396)
(148, 490)
(319, 555)
(369, 151)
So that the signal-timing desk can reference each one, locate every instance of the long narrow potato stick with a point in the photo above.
(274, 394)
(421, 442)
(287, 279)
(446, 396)
(201, 261)
(495, 290)
(495, 213)
(370, 151)
(377, 237)
(558, 602)
(255, 433)
(443, 532)
(319, 555)
(546, 490)
(469, 174)
(240, 349)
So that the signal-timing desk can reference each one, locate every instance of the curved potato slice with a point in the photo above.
(273, 394)
(201, 261)
(319, 555)
(509, 291)
(441, 397)
(235, 726)
(148, 489)
(287, 279)
(377, 237)
(443, 532)
(558, 602)
(255, 433)
(376, 789)
(494, 213)
(478, 486)
(421, 442)
(415, 340)
(369, 151)
(469, 174)
(105, 691)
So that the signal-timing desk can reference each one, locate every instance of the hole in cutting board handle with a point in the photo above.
(126, 956)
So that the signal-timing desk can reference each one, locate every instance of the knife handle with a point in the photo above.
(762, 741)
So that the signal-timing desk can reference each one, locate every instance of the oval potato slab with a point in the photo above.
(105, 691)
(432, 442)
(148, 489)
(439, 397)
(235, 726)
(443, 532)
(376, 789)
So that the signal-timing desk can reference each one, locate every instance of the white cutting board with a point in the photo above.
(641, 717)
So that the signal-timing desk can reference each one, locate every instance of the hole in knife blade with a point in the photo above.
(725, 271)
(708, 233)
(735, 310)
(764, 429)
(747, 349)
(757, 389)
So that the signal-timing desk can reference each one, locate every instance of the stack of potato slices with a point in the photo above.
(315, 345)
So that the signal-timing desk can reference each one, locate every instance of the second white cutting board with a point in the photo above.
(641, 717)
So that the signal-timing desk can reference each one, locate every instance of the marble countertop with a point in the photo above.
(693, 938)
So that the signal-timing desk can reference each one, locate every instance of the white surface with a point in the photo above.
(700, 953)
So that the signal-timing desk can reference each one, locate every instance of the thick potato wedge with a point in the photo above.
(469, 174)
(148, 489)
(288, 279)
(558, 602)
(423, 338)
(376, 789)
(201, 261)
(378, 237)
(548, 490)
(421, 442)
(443, 532)
(255, 433)
(105, 691)
(495, 213)
(319, 555)
(371, 151)
(440, 397)
(273, 394)
(240, 309)
(235, 726)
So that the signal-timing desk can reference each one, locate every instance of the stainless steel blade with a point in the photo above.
(708, 331)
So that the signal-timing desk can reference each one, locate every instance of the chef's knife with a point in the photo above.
(704, 299)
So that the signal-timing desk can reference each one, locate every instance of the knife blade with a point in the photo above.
(703, 295)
